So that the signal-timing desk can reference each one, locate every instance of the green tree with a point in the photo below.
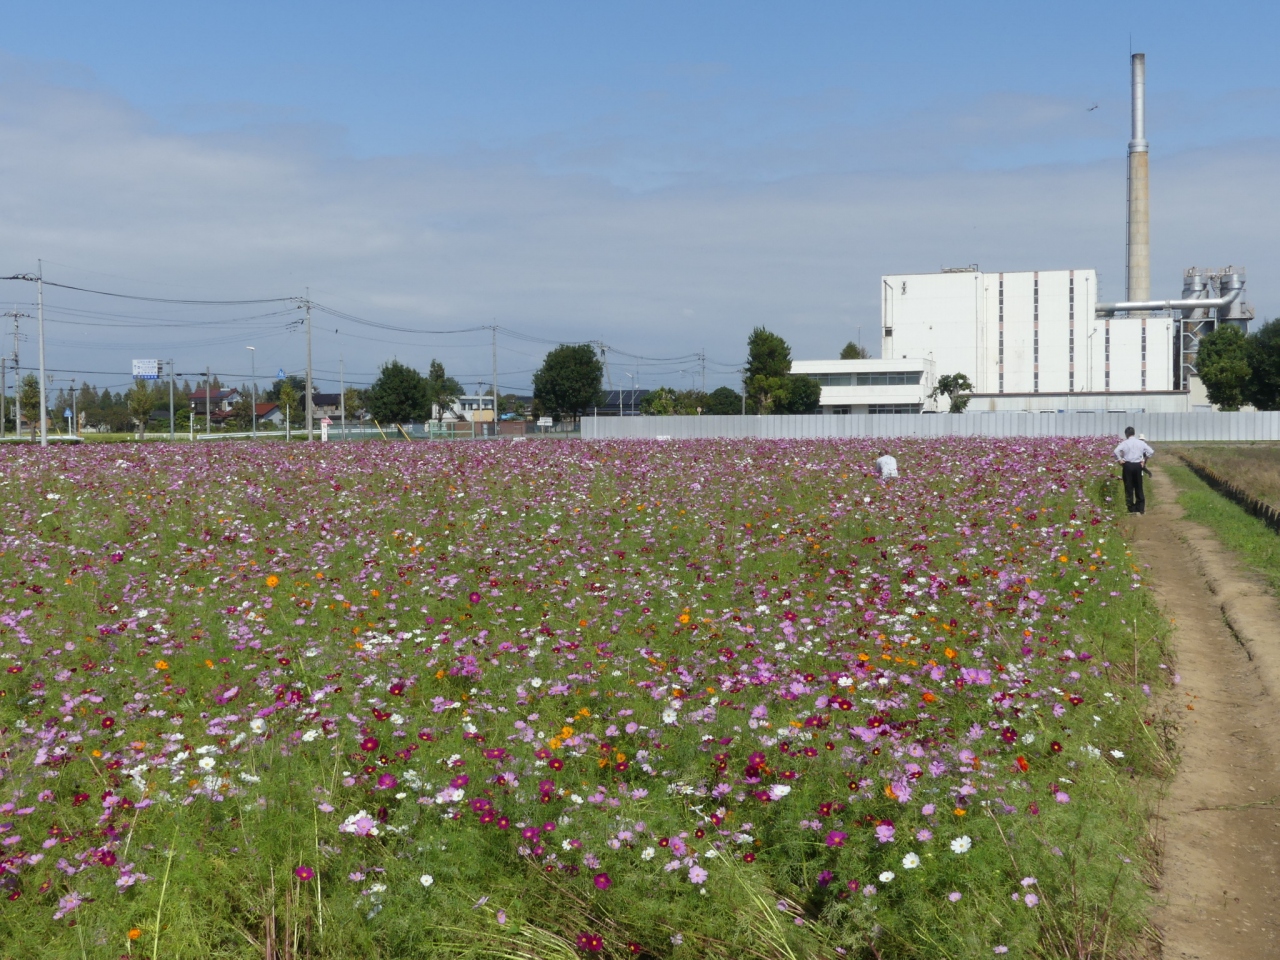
(242, 412)
(854, 351)
(442, 391)
(659, 403)
(1223, 365)
(802, 395)
(568, 382)
(1264, 367)
(353, 402)
(140, 404)
(771, 386)
(29, 399)
(510, 403)
(398, 395)
(956, 387)
(289, 397)
(768, 366)
(724, 402)
(272, 393)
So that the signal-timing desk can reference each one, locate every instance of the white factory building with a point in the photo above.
(1030, 341)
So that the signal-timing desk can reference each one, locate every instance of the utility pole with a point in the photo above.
(310, 412)
(17, 383)
(253, 369)
(44, 402)
(703, 357)
(171, 431)
(208, 402)
(494, 329)
(17, 377)
(342, 397)
(75, 419)
(604, 358)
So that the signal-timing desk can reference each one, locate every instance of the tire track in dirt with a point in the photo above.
(1219, 822)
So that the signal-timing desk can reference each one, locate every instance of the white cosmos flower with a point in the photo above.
(426, 879)
(778, 791)
(647, 853)
(257, 725)
(1118, 754)
(961, 844)
(887, 876)
(207, 763)
(910, 861)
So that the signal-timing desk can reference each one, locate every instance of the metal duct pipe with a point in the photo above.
(1106, 309)
(1138, 270)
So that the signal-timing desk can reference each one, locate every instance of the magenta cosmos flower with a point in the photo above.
(304, 873)
(602, 881)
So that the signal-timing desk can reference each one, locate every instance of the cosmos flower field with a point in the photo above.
(564, 699)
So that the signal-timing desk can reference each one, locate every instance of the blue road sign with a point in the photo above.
(280, 374)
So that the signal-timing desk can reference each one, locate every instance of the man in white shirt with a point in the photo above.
(886, 466)
(1133, 453)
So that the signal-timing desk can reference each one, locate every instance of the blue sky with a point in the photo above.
(662, 176)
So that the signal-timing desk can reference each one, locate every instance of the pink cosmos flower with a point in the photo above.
(602, 881)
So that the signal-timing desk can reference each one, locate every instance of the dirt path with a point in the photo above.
(1220, 823)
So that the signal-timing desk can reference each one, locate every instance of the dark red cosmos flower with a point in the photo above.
(590, 942)
(473, 597)
(108, 723)
(748, 857)
(1008, 734)
(107, 858)
(1056, 747)
(396, 689)
(369, 744)
(555, 763)
(634, 947)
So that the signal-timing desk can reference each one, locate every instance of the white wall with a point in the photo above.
(955, 320)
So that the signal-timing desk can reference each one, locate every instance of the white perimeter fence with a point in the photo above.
(1158, 427)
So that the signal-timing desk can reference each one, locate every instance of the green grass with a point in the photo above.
(1247, 536)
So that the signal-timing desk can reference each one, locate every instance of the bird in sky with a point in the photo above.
(1094, 107)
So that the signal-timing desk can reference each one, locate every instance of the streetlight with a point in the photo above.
(253, 386)
(632, 377)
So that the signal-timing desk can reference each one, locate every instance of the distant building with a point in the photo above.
(219, 400)
(1031, 340)
(625, 403)
(872, 386)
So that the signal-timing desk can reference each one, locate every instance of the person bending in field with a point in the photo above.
(886, 466)
(1133, 455)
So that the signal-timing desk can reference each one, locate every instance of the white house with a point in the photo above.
(475, 408)
(872, 386)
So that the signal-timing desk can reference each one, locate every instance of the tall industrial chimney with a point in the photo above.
(1138, 273)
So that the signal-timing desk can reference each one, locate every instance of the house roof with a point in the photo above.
(326, 399)
(263, 409)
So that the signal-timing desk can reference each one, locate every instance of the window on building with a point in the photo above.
(893, 408)
(879, 378)
(842, 411)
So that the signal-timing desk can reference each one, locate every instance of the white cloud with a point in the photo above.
(453, 241)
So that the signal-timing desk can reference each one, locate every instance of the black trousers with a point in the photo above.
(1133, 496)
